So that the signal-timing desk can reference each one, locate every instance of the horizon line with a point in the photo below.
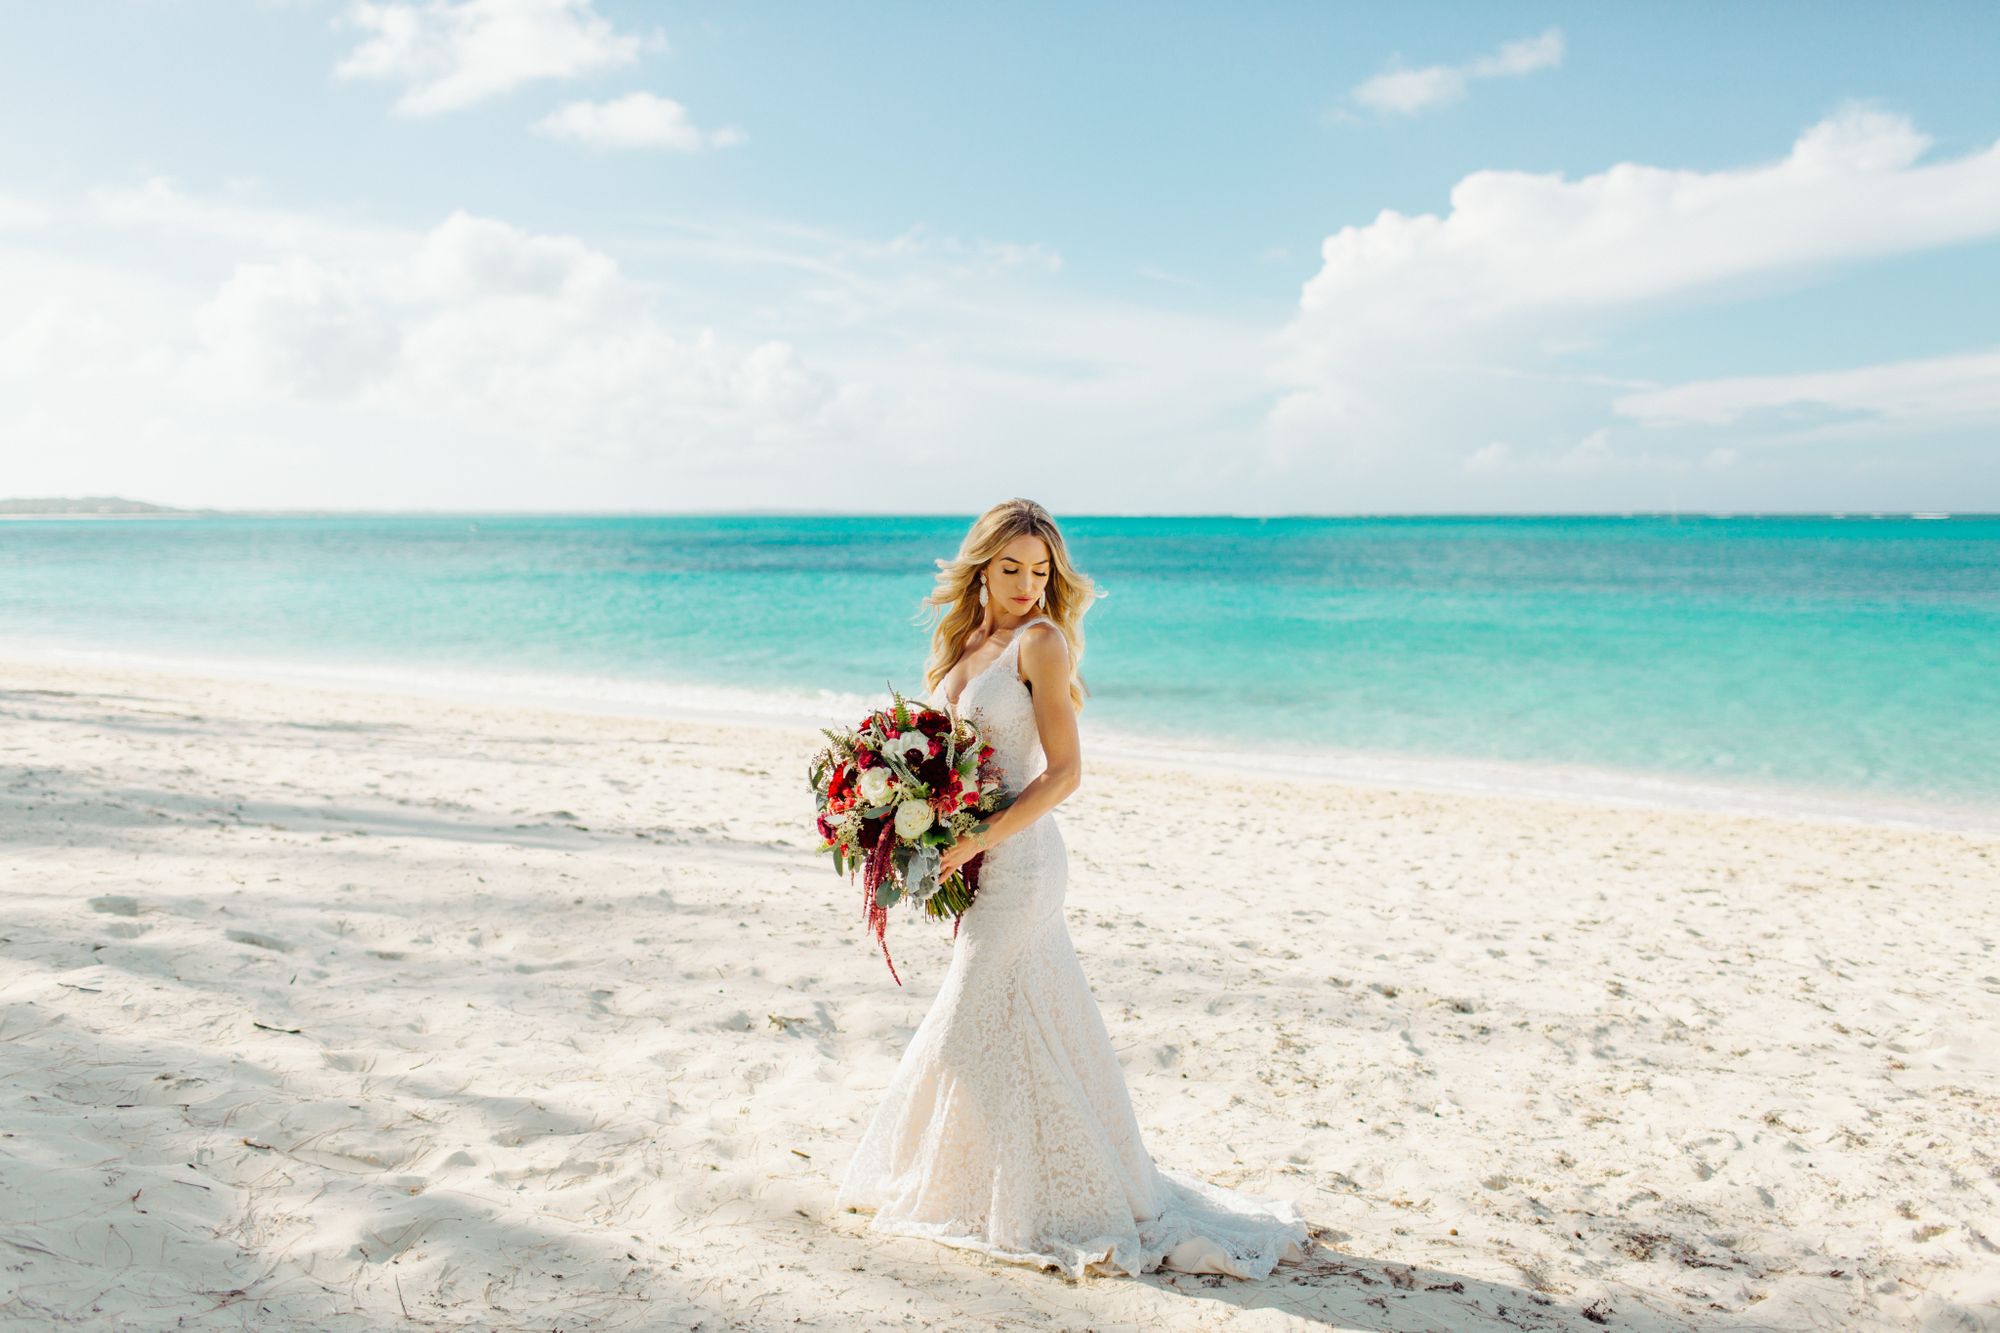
(167, 511)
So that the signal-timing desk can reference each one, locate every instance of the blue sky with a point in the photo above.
(1122, 258)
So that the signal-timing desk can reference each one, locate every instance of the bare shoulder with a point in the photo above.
(1043, 649)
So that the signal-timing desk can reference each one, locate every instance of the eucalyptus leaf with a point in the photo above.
(901, 770)
(922, 874)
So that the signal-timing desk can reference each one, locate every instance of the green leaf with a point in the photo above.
(903, 771)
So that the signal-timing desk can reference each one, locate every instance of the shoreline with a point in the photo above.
(791, 711)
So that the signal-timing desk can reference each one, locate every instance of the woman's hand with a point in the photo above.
(971, 845)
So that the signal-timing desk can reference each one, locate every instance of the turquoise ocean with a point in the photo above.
(1844, 663)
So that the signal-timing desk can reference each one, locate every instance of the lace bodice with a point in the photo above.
(1000, 704)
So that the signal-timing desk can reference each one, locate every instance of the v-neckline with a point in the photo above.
(951, 705)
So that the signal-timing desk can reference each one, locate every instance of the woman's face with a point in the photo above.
(1016, 577)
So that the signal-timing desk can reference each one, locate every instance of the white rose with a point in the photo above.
(875, 785)
(912, 818)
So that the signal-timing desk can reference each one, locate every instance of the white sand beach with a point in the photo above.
(325, 1009)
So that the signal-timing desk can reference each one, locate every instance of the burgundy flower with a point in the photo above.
(871, 850)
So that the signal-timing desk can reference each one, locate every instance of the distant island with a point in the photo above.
(89, 506)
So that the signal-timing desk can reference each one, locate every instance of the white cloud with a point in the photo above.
(545, 332)
(1523, 56)
(1592, 456)
(636, 120)
(1516, 242)
(466, 259)
(983, 362)
(57, 339)
(1456, 349)
(1408, 91)
(955, 254)
(263, 357)
(471, 356)
(503, 333)
(1402, 91)
(450, 54)
(23, 214)
(296, 328)
(158, 204)
(1945, 390)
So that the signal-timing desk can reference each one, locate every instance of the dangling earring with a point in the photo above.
(1043, 600)
(982, 592)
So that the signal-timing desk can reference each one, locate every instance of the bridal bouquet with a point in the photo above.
(893, 794)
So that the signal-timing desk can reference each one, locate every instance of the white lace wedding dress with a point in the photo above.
(1007, 1127)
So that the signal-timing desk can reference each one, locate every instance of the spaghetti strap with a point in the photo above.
(1014, 643)
(1038, 620)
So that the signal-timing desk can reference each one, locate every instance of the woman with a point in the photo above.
(1007, 1127)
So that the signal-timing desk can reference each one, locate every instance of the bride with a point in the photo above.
(1007, 1128)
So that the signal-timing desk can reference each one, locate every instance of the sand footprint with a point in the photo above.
(259, 940)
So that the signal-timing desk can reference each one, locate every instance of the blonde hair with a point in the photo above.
(1066, 597)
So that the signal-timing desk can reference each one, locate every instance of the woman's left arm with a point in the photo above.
(1045, 665)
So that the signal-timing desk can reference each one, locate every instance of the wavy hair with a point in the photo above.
(955, 598)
